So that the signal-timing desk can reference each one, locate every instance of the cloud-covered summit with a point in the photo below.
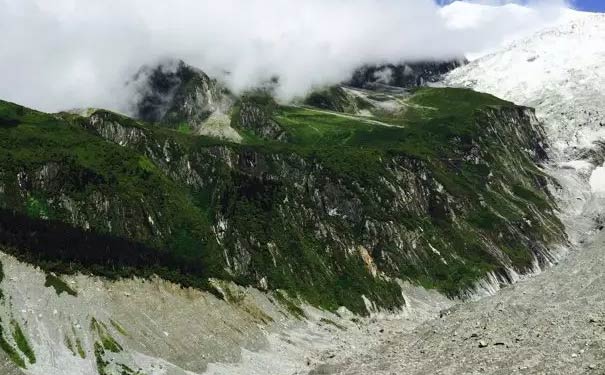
(71, 53)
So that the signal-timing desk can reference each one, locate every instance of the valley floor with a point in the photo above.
(553, 323)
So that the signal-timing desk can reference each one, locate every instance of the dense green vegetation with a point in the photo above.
(22, 342)
(83, 166)
(12, 353)
(429, 192)
(107, 341)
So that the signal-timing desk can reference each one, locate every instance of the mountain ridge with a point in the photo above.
(165, 161)
(333, 206)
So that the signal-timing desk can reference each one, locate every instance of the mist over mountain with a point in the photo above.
(68, 53)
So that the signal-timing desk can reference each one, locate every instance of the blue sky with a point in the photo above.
(586, 5)
(590, 5)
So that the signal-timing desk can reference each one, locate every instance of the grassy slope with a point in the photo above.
(438, 128)
(90, 165)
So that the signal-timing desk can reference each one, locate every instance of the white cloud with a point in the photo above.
(487, 24)
(58, 54)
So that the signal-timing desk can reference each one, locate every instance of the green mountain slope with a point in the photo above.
(327, 206)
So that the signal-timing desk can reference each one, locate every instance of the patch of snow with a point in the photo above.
(438, 253)
(522, 21)
(597, 180)
(579, 165)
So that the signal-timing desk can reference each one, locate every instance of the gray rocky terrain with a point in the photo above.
(553, 323)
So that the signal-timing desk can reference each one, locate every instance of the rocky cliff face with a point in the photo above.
(253, 114)
(443, 200)
(180, 96)
(381, 89)
(405, 75)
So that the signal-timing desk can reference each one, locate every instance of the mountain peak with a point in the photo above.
(178, 95)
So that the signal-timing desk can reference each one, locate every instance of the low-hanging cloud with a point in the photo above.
(61, 54)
